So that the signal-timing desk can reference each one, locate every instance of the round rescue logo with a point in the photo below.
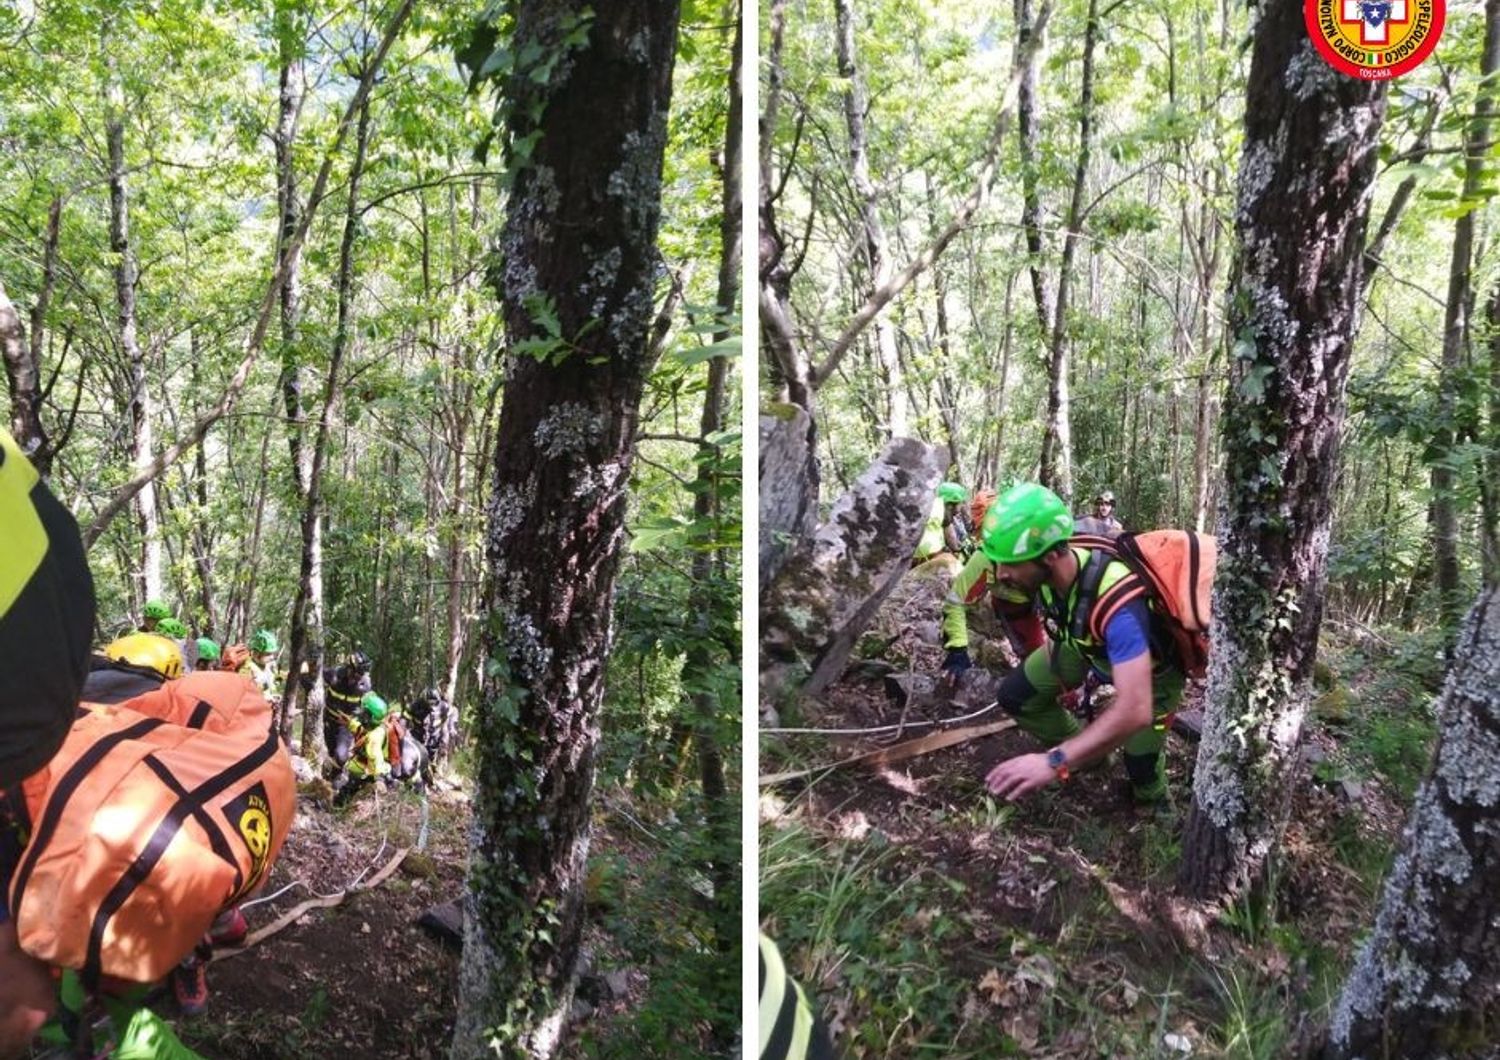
(1374, 39)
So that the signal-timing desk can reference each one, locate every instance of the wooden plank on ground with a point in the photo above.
(295, 913)
(884, 756)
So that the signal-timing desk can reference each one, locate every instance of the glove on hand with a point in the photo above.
(957, 661)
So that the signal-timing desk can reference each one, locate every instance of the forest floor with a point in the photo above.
(929, 918)
(361, 979)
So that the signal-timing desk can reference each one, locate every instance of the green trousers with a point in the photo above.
(1032, 692)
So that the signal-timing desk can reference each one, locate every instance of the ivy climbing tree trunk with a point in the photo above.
(1445, 537)
(1304, 198)
(1423, 985)
(588, 92)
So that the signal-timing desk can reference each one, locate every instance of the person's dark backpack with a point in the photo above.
(1172, 569)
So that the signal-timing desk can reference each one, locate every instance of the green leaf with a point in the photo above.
(729, 347)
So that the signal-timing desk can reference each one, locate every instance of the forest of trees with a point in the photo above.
(414, 330)
(278, 317)
(1165, 251)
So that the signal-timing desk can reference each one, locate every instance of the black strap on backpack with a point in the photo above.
(1088, 593)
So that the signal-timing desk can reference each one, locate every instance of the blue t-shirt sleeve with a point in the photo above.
(1125, 637)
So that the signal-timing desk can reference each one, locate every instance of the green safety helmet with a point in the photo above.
(171, 627)
(374, 706)
(952, 493)
(1024, 522)
(157, 610)
(264, 642)
(208, 650)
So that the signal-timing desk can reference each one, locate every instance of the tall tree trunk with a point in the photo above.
(239, 624)
(1489, 535)
(561, 473)
(141, 426)
(947, 391)
(1423, 984)
(872, 232)
(780, 346)
(202, 531)
(1456, 328)
(1057, 437)
(1304, 198)
(306, 640)
(23, 363)
(714, 601)
(288, 250)
(1028, 140)
(24, 378)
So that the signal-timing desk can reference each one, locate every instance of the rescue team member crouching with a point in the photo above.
(367, 759)
(1025, 554)
(199, 798)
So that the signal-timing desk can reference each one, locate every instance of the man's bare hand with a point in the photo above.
(1020, 776)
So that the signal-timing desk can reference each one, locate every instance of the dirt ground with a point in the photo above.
(1039, 867)
(360, 979)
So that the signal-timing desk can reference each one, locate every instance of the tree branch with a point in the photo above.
(883, 294)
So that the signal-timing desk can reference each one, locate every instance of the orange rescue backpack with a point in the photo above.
(1174, 569)
(156, 815)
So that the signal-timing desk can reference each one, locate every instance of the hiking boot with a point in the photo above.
(190, 986)
(229, 928)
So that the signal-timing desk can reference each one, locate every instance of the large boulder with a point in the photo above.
(788, 484)
(834, 582)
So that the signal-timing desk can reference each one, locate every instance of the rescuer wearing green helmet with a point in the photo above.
(1024, 554)
(263, 649)
(368, 760)
(152, 614)
(208, 654)
(947, 528)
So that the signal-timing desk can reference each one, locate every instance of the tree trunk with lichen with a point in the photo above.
(588, 92)
(832, 585)
(1425, 983)
(1304, 197)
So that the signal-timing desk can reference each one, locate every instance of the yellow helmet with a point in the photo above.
(149, 651)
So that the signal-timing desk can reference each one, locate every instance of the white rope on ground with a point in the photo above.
(920, 723)
(355, 882)
(422, 828)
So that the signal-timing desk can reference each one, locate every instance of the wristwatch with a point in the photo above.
(1057, 760)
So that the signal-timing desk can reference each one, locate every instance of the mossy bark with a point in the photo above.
(1304, 196)
(1427, 982)
(586, 113)
(830, 589)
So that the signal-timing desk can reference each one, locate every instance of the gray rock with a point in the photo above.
(788, 485)
(835, 581)
(617, 983)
